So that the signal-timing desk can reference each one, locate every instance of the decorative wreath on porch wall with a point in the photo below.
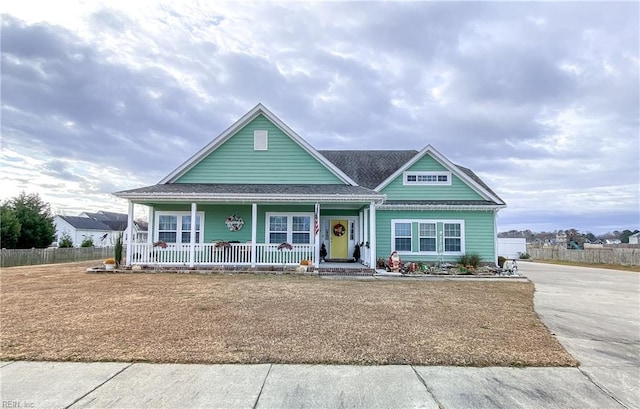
(234, 223)
(338, 229)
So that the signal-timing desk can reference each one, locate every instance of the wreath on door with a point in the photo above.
(339, 230)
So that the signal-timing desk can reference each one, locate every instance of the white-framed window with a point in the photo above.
(260, 140)
(432, 236)
(452, 237)
(175, 227)
(426, 178)
(294, 228)
(402, 236)
(427, 237)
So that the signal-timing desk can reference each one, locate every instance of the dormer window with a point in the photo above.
(427, 178)
(260, 140)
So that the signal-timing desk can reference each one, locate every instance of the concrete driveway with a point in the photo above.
(595, 314)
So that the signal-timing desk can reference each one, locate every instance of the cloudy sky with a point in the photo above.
(540, 99)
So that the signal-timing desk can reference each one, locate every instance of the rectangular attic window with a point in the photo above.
(260, 140)
(427, 178)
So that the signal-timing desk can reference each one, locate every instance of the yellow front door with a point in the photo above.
(339, 238)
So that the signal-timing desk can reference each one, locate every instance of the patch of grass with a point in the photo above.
(61, 313)
(605, 266)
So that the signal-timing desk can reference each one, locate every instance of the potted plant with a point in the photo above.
(323, 252)
(305, 264)
(356, 253)
(118, 249)
(109, 264)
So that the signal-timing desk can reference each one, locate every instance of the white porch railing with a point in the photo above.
(210, 254)
(269, 254)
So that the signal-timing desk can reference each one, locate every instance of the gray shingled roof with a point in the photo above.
(85, 223)
(116, 225)
(230, 189)
(439, 202)
(108, 216)
(369, 168)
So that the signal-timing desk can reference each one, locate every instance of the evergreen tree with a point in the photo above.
(36, 221)
(10, 227)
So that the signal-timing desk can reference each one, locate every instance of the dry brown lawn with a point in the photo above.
(62, 313)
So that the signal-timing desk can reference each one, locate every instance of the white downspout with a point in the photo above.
(129, 233)
(192, 236)
(372, 234)
(495, 236)
(316, 236)
(254, 233)
(150, 226)
(365, 235)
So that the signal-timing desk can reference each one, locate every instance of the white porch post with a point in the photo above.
(316, 236)
(372, 235)
(150, 226)
(361, 227)
(366, 227)
(192, 238)
(129, 233)
(254, 233)
(495, 236)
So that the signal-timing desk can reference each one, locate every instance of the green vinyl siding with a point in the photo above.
(236, 161)
(479, 234)
(281, 209)
(214, 217)
(215, 228)
(458, 190)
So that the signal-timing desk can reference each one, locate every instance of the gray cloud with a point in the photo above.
(536, 96)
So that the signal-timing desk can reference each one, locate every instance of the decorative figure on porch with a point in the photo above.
(394, 261)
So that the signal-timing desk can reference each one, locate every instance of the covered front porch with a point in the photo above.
(260, 230)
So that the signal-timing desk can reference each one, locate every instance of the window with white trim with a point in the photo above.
(430, 236)
(300, 229)
(452, 237)
(427, 178)
(402, 234)
(427, 237)
(294, 228)
(260, 140)
(175, 227)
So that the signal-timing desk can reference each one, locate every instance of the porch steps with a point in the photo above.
(365, 271)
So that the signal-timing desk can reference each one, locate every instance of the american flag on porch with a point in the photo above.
(316, 222)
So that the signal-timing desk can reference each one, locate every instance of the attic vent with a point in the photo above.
(260, 140)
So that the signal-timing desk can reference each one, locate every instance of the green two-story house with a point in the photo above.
(260, 195)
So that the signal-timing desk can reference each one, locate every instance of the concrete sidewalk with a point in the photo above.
(125, 385)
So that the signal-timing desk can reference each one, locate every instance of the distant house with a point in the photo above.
(634, 238)
(259, 194)
(102, 228)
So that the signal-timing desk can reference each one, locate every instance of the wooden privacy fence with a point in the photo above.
(52, 255)
(605, 255)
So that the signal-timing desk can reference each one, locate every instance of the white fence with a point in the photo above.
(211, 254)
(52, 255)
